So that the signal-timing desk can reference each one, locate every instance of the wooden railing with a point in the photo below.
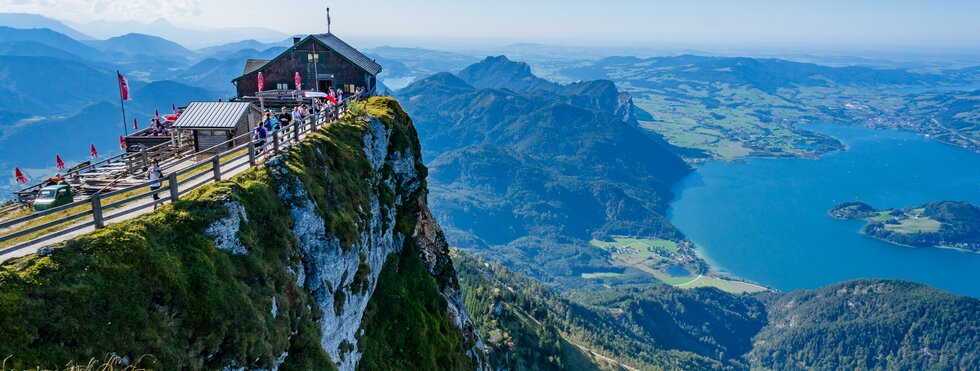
(98, 209)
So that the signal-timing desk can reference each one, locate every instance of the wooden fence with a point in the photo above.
(96, 213)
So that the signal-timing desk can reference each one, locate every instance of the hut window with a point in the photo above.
(314, 57)
(282, 86)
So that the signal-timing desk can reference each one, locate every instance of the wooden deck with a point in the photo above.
(120, 177)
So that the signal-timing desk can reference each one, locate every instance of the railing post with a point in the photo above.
(216, 166)
(275, 142)
(172, 184)
(143, 155)
(295, 132)
(251, 153)
(97, 211)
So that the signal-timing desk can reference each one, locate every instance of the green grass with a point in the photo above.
(647, 261)
(915, 225)
(596, 275)
(883, 216)
(639, 243)
(156, 285)
(743, 122)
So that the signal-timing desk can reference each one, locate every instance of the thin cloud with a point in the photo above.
(120, 10)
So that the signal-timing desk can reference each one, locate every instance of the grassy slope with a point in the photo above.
(156, 285)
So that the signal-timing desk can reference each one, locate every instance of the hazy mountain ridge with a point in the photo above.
(501, 73)
(764, 74)
(140, 44)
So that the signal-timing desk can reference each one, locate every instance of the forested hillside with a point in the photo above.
(862, 324)
(531, 178)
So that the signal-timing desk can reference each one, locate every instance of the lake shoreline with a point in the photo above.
(760, 221)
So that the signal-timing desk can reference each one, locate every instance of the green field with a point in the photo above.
(731, 122)
(915, 225)
(595, 275)
(883, 216)
(654, 256)
(638, 243)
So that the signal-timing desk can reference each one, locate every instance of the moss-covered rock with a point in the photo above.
(247, 272)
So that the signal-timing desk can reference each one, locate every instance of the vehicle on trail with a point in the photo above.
(53, 196)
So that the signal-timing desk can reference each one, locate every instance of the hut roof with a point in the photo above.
(329, 40)
(350, 53)
(254, 64)
(217, 115)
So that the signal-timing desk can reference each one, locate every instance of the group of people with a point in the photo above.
(159, 128)
(272, 122)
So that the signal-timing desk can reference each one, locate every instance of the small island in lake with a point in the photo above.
(940, 224)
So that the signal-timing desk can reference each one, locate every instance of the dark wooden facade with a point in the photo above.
(334, 68)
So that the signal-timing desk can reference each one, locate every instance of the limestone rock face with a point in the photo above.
(435, 254)
(335, 274)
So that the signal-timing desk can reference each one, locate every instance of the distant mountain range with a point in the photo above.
(767, 75)
(201, 37)
(140, 44)
(61, 94)
(27, 21)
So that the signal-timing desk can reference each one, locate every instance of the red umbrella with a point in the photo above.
(261, 82)
(122, 145)
(60, 164)
(135, 126)
(156, 114)
(173, 107)
(20, 176)
(95, 154)
(299, 81)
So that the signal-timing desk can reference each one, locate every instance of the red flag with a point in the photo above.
(261, 82)
(122, 145)
(60, 164)
(135, 126)
(173, 107)
(95, 154)
(299, 81)
(123, 87)
(20, 176)
(332, 99)
(156, 114)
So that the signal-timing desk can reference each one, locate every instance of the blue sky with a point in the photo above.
(951, 24)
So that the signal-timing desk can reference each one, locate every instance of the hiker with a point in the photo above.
(284, 117)
(297, 114)
(267, 121)
(155, 174)
(155, 127)
(56, 179)
(261, 134)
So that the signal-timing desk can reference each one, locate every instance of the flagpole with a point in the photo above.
(122, 103)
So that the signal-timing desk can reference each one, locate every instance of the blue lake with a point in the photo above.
(765, 219)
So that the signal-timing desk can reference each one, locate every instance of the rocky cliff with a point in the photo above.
(327, 257)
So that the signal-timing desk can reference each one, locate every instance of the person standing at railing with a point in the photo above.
(297, 114)
(267, 121)
(155, 174)
(259, 138)
(284, 117)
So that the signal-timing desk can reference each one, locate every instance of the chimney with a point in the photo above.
(295, 40)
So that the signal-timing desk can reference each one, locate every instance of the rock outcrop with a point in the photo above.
(286, 259)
